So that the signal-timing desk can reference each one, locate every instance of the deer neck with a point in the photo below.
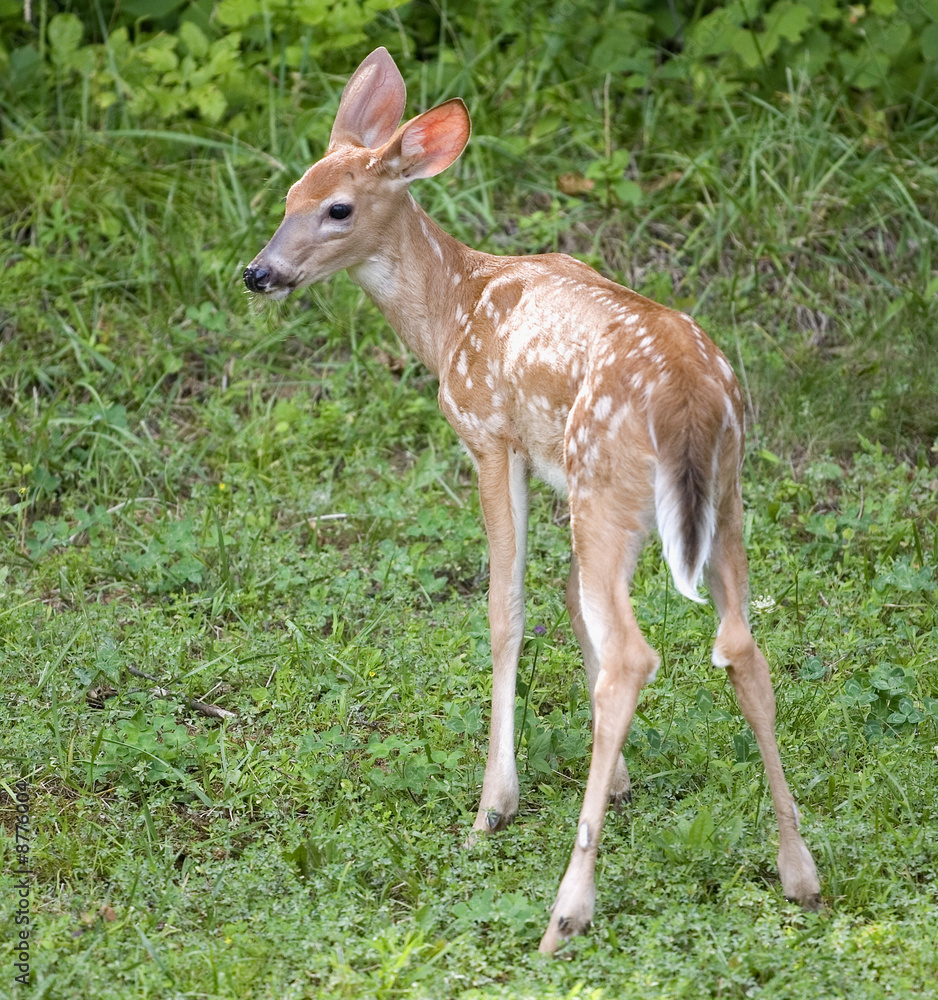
(419, 277)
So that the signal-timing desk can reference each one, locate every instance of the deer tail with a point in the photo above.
(686, 480)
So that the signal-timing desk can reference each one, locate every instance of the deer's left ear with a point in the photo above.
(372, 104)
(429, 143)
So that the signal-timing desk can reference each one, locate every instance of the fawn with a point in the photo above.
(546, 367)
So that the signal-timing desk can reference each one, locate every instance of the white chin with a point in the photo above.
(276, 294)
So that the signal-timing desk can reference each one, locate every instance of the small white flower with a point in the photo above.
(763, 604)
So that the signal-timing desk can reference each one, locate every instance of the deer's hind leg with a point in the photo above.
(609, 527)
(735, 649)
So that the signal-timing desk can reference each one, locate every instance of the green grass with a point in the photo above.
(169, 454)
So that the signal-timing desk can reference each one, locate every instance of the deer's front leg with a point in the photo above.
(503, 490)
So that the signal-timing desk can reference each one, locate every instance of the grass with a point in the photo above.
(266, 512)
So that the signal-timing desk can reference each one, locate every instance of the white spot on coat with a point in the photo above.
(602, 407)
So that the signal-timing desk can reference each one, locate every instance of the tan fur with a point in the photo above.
(547, 368)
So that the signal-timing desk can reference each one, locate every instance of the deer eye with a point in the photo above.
(340, 211)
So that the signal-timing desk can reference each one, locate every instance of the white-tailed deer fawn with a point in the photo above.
(546, 367)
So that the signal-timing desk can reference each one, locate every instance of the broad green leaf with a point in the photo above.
(890, 37)
(744, 46)
(863, 69)
(211, 102)
(237, 13)
(929, 42)
(322, 12)
(786, 20)
(700, 834)
(193, 39)
(160, 55)
(65, 31)
(712, 35)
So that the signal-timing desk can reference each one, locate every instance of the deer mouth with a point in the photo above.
(264, 281)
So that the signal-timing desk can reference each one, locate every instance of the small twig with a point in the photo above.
(313, 521)
(197, 706)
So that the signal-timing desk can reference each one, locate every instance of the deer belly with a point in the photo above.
(538, 424)
(550, 471)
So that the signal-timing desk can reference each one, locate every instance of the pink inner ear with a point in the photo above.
(436, 138)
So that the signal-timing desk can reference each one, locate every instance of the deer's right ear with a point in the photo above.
(372, 104)
(430, 142)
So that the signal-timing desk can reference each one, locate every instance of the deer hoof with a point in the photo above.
(560, 929)
(619, 800)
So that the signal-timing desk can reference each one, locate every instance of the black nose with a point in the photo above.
(254, 277)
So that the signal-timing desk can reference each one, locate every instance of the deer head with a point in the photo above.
(344, 205)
